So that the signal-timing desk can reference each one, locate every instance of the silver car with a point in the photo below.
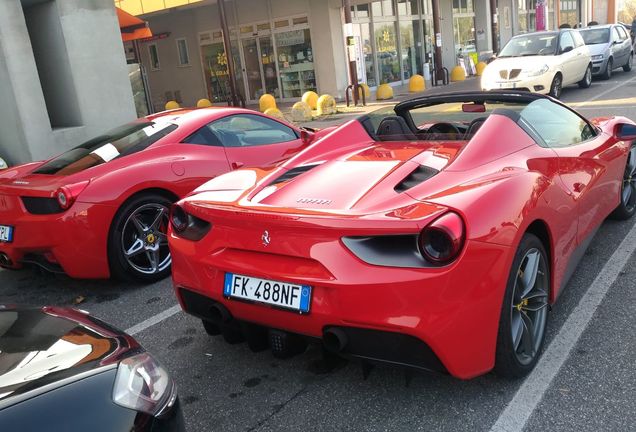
(610, 47)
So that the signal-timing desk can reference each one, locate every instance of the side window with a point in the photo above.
(246, 130)
(622, 32)
(556, 125)
(203, 136)
(615, 35)
(565, 42)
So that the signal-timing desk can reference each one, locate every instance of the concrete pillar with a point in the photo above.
(327, 41)
(483, 32)
(93, 69)
(449, 54)
(507, 13)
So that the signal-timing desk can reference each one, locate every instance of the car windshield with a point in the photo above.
(530, 45)
(122, 141)
(595, 36)
(435, 122)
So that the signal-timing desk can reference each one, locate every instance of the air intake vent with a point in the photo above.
(292, 173)
(417, 176)
(41, 206)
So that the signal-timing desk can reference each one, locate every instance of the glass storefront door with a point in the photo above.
(260, 69)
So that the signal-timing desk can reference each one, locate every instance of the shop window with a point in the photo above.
(387, 55)
(216, 73)
(362, 11)
(410, 43)
(362, 33)
(154, 57)
(247, 29)
(295, 62)
(383, 8)
(427, 8)
(301, 20)
(263, 26)
(182, 50)
(281, 24)
(463, 6)
(407, 7)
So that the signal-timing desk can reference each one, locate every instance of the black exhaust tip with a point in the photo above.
(285, 345)
(219, 314)
(5, 260)
(334, 339)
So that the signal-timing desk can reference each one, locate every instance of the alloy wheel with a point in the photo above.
(628, 190)
(556, 87)
(144, 241)
(588, 76)
(529, 309)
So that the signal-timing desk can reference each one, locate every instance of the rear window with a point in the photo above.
(122, 141)
(595, 36)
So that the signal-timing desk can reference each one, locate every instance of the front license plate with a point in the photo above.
(283, 294)
(6, 233)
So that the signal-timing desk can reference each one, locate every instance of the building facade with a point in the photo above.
(59, 83)
(286, 47)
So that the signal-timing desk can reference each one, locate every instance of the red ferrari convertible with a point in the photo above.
(101, 209)
(434, 234)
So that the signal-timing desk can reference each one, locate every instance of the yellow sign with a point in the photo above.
(139, 7)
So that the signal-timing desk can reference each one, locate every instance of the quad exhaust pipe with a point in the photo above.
(5, 261)
(335, 340)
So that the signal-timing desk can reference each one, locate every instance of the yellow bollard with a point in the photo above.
(266, 101)
(326, 105)
(479, 69)
(170, 105)
(417, 84)
(457, 74)
(275, 112)
(367, 91)
(301, 112)
(384, 92)
(204, 103)
(311, 99)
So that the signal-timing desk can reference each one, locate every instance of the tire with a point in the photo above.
(627, 206)
(607, 73)
(556, 86)
(524, 311)
(137, 242)
(627, 67)
(211, 328)
(587, 78)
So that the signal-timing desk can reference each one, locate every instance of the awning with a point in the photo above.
(132, 27)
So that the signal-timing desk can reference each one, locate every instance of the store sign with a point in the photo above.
(295, 37)
(155, 37)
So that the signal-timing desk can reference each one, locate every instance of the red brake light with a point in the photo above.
(66, 195)
(442, 240)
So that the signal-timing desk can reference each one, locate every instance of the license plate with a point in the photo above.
(282, 294)
(506, 85)
(6, 233)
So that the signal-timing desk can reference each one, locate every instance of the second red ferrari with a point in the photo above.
(101, 209)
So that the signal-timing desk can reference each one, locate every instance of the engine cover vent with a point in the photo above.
(292, 173)
(417, 176)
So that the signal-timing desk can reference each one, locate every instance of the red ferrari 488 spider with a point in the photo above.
(434, 234)
(101, 209)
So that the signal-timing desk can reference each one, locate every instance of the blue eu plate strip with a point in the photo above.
(305, 296)
(227, 287)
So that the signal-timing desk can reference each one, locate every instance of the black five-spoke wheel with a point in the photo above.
(138, 245)
(627, 206)
(524, 314)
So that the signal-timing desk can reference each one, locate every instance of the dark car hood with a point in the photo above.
(39, 346)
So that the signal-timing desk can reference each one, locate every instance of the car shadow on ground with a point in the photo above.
(34, 286)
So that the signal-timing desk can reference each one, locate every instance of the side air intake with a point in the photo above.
(417, 176)
(292, 173)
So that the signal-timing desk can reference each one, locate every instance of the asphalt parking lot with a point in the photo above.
(586, 383)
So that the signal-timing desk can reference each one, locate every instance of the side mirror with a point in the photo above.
(3, 164)
(306, 137)
(625, 132)
(566, 49)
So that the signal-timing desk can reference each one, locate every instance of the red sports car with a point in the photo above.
(101, 209)
(434, 234)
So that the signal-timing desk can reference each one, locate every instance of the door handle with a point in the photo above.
(237, 165)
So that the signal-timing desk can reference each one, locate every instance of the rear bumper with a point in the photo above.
(73, 242)
(453, 311)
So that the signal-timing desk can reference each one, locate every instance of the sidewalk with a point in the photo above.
(400, 93)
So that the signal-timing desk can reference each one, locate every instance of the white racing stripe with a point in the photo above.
(155, 319)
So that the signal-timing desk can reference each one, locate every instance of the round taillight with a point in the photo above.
(63, 199)
(442, 240)
(178, 218)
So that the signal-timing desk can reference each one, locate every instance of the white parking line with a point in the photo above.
(155, 319)
(516, 414)
(600, 95)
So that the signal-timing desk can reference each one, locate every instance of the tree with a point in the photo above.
(628, 13)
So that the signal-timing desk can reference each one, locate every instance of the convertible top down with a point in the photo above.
(431, 235)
